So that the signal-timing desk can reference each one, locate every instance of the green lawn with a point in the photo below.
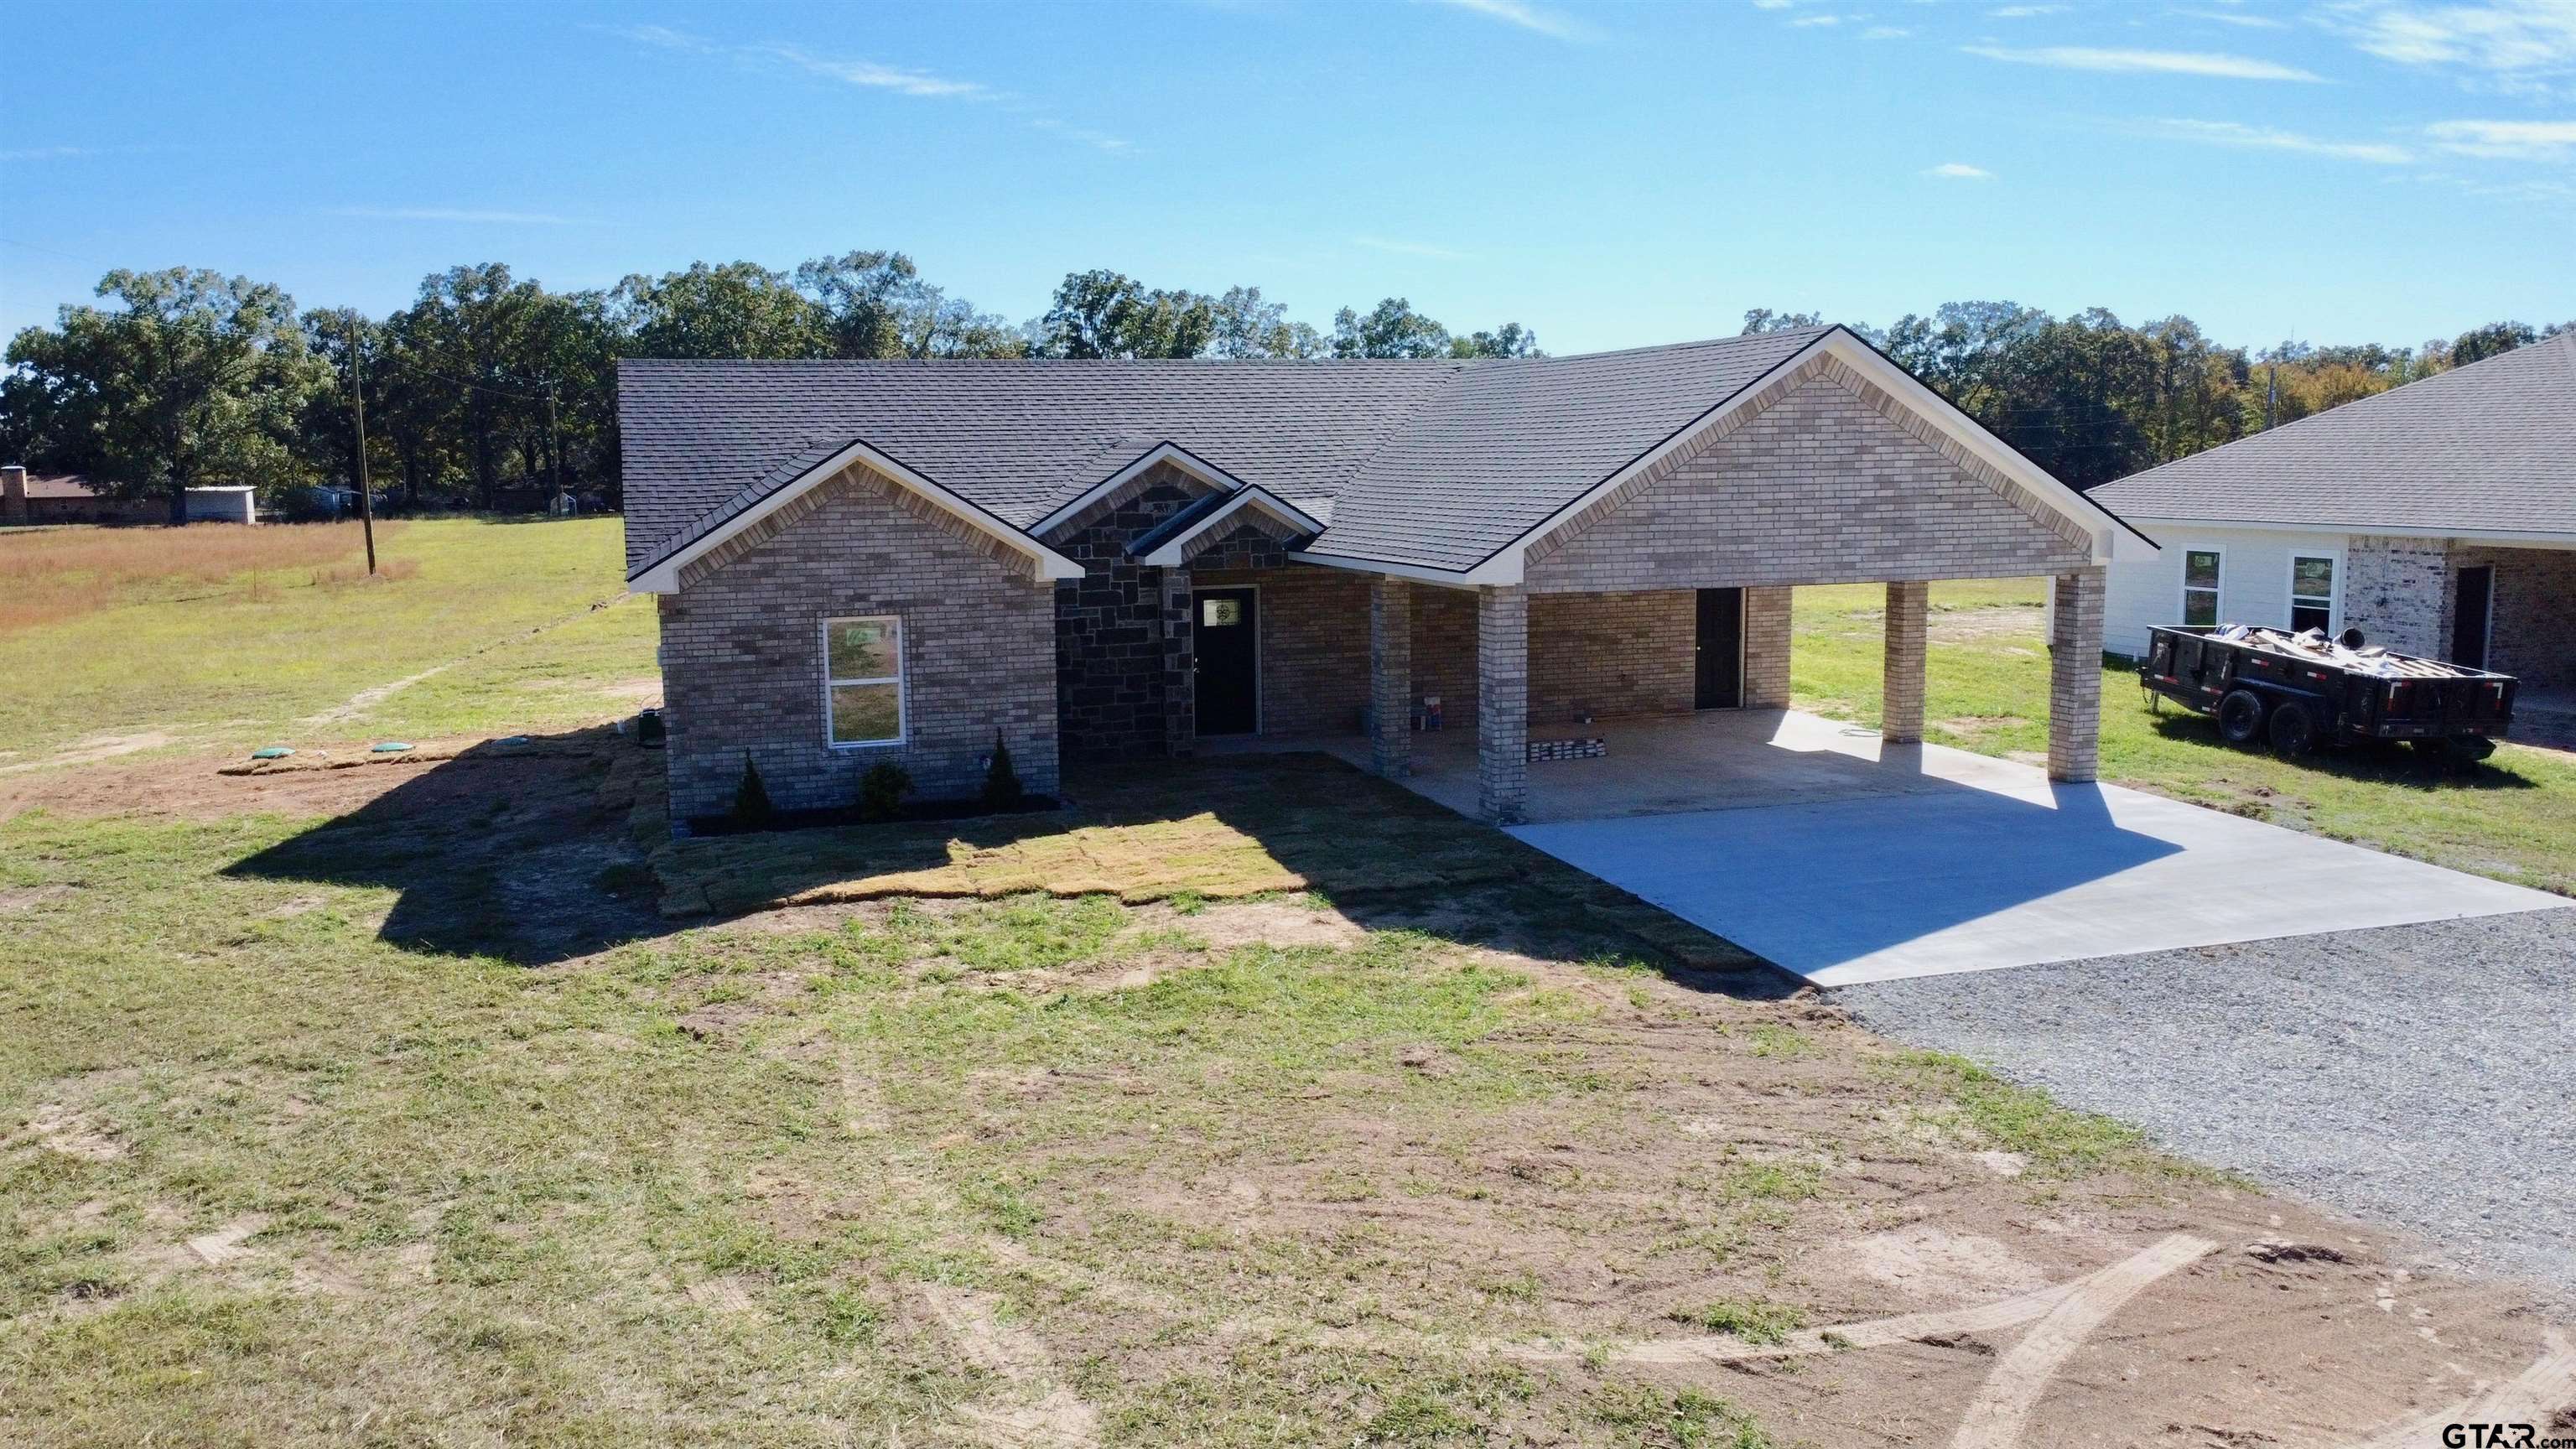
(2514, 818)
(510, 612)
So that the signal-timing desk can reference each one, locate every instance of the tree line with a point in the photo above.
(490, 385)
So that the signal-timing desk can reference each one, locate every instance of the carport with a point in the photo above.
(1847, 859)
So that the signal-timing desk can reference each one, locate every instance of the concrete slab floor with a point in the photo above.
(1806, 840)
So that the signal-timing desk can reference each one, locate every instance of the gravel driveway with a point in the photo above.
(2422, 1077)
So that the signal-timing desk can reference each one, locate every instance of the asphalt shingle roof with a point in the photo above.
(1436, 462)
(2486, 448)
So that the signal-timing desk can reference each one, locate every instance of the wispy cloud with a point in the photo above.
(1885, 32)
(1411, 248)
(2521, 140)
(871, 75)
(1817, 20)
(2166, 62)
(2509, 37)
(1532, 18)
(2265, 138)
(2024, 12)
(1960, 171)
(47, 153)
(2234, 17)
(471, 216)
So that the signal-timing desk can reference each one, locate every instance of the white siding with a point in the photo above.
(2253, 580)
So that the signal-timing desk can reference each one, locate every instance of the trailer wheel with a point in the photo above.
(2469, 749)
(2294, 730)
(2240, 717)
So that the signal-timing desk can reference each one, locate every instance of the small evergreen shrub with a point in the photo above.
(751, 805)
(1002, 788)
(881, 790)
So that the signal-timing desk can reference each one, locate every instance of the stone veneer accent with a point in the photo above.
(1606, 655)
(2397, 592)
(1830, 481)
(742, 651)
(1390, 675)
(1121, 650)
(2075, 675)
(1502, 724)
(1902, 676)
(1767, 638)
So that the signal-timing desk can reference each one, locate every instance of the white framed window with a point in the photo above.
(2200, 572)
(863, 681)
(2312, 591)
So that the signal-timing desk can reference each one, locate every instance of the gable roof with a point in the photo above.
(1432, 467)
(2483, 450)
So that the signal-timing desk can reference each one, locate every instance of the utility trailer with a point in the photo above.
(2302, 690)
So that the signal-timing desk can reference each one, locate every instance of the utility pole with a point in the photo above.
(358, 401)
(554, 440)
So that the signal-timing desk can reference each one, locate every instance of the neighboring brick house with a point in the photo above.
(2438, 518)
(862, 561)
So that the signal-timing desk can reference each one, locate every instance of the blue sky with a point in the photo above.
(1615, 175)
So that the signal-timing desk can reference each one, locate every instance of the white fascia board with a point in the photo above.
(1166, 452)
(664, 577)
(1502, 568)
(1862, 358)
(1169, 554)
(2490, 538)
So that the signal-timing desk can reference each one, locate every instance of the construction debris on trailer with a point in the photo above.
(2300, 690)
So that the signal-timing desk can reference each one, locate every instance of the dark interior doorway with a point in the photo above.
(1719, 651)
(2470, 607)
(1226, 656)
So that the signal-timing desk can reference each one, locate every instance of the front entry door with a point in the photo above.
(2469, 616)
(1227, 658)
(1719, 652)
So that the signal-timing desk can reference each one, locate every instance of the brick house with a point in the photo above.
(858, 561)
(2439, 518)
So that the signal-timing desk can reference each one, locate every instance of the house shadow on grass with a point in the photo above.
(557, 847)
(515, 851)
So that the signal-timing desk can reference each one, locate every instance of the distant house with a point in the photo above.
(71, 498)
(2438, 518)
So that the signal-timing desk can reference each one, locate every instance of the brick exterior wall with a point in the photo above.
(1314, 624)
(742, 651)
(1390, 675)
(1444, 652)
(1502, 725)
(1766, 647)
(1603, 655)
(1832, 482)
(1121, 651)
(2397, 592)
(2532, 631)
(2075, 675)
(1902, 676)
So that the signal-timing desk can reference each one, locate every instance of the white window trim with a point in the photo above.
(902, 685)
(2183, 553)
(2334, 587)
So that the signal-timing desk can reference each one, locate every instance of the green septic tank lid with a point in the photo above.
(273, 752)
(389, 747)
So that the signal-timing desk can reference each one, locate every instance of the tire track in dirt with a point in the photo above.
(2529, 1397)
(365, 700)
(2001, 1410)
(1039, 1410)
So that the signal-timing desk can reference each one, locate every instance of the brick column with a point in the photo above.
(1390, 675)
(2075, 676)
(1766, 648)
(1901, 678)
(1180, 680)
(1502, 703)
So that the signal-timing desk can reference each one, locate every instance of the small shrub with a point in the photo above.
(881, 790)
(1002, 788)
(751, 797)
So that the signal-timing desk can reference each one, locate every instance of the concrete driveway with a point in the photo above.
(1804, 840)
